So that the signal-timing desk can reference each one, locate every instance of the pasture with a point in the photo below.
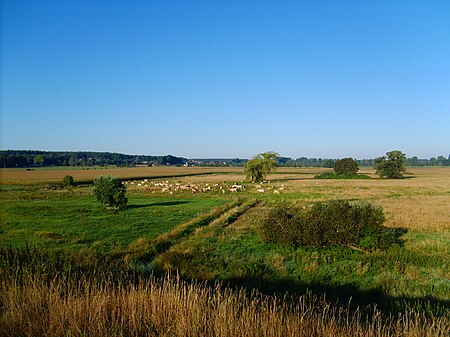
(204, 224)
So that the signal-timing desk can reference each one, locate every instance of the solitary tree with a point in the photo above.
(345, 166)
(68, 181)
(261, 165)
(110, 191)
(391, 166)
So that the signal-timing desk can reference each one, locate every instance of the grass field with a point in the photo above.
(196, 226)
(60, 221)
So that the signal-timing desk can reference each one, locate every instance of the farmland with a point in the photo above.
(87, 174)
(191, 221)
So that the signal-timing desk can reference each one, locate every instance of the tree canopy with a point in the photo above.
(261, 165)
(345, 166)
(110, 191)
(68, 181)
(391, 166)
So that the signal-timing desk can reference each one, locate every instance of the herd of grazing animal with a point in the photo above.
(154, 186)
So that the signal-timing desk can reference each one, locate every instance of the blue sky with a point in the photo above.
(205, 79)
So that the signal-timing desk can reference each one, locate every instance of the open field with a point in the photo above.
(197, 226)
(47, 174)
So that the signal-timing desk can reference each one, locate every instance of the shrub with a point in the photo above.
(340, 222)
(334, 175)
(280, 225)
(345, 166)
(110, 191)
(331, 223)
(68, 181)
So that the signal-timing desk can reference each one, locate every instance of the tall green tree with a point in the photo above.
(261, 165)
(391, 166)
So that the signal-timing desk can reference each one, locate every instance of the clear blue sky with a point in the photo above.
(206, 79)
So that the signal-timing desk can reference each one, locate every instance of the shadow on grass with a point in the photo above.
(345, 295)
(278, 180)
(159, 204)
(88, 265)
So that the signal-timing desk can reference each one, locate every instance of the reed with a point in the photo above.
(36, 306)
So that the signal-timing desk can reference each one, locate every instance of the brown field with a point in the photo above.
(45, 175)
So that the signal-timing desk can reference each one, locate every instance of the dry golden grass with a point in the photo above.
(421, 202)
(169, 307)
(38, 175)
(418, 212)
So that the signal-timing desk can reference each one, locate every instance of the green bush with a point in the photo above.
(334, 175)
(68, 181)
(110, 191)
(331, 223)
(345, 166)
(280, 225)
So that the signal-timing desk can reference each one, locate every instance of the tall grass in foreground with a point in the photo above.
(33, 305)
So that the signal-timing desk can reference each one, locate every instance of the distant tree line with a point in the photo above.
(235, 162)
(439, 161)
(18, 158)
(319, 162)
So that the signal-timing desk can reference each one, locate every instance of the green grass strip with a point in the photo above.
(147, 250)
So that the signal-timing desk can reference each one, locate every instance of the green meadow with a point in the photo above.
(50, 219)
